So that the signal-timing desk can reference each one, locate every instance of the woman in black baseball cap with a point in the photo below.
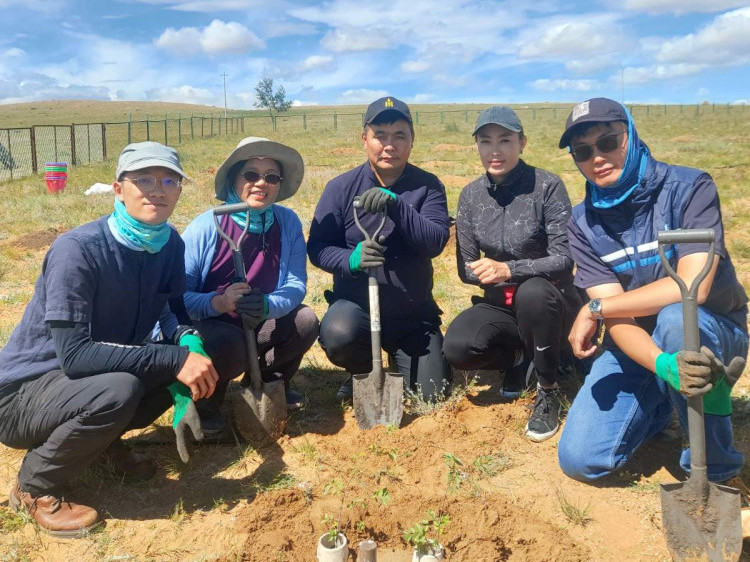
(511, 237)
(642, 373)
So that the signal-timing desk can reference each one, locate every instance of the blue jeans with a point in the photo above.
(621, 405)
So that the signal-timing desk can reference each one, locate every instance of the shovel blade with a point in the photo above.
(376, 405)
(702, 527)
(260, 414)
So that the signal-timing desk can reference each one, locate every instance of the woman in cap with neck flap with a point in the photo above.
(511, 241)
(260, 172)
(629, 395)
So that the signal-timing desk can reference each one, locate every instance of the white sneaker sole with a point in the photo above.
(539, 437)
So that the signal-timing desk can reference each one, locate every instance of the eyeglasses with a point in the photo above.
(604, 144)
(251, 176)
(147, 184)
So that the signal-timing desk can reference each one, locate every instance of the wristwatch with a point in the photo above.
(595, 308)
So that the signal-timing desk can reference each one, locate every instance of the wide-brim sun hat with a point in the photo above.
(292, 166)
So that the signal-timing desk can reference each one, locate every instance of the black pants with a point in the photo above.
(486, 335)
(414, 344)
(282, 343)
(67, 423)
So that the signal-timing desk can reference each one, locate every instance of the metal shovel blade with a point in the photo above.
(262, 412)
(700, 526)
(378, 399)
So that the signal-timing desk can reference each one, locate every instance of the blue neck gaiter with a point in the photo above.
(136, 234)
(260, 221)
(631, 175)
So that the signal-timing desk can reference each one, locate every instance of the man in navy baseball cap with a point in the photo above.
(416, 230)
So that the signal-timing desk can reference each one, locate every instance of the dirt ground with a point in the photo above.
(505, 496)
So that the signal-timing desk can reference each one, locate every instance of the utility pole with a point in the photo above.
(224, 74)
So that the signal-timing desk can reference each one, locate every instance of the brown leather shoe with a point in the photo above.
(54, 515)
(120, 460)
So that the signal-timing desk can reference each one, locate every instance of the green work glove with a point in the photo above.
(718, 401)
(689, 372)
(376, 199)
(253, 308)
(367, 254)
(185, 413)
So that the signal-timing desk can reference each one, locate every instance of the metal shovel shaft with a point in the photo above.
(701, 520)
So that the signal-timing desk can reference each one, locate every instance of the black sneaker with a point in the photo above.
(212, 424)
(544, 420)
(346, 391)
(517, 379)
(293, 399)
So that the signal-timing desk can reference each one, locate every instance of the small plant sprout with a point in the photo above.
(418, 535)
(333, 488)
(456, 474)
(382, 496)
(331, 526)
(573, 513)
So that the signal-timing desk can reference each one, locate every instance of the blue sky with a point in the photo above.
(353, 51)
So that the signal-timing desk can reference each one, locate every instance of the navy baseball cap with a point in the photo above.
(391, 104)
(499, 115)
(595, 110)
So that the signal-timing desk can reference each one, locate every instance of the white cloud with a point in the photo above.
(681, 6)
(423, 98)
(558, 38)
(14, 52)
(361, 95)
(415, 66)
(724, 41)
(347, 38)
(182, 94)
(317, 62)
(655, 73)
(217, 38)
(300, 103)
(547, 85)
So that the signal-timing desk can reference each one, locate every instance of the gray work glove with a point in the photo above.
(253, 308)
(376, 199)
(185, 418)
(367, 254)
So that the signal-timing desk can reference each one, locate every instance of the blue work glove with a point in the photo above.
(376, 199)
(367, 254)
(253, 308)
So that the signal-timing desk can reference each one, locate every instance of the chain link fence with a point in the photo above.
(24, 151)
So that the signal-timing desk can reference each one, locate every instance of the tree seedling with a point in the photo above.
(331, 526)
(418, 535)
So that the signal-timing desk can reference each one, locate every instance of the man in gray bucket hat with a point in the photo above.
(75, 374)
(416, 230)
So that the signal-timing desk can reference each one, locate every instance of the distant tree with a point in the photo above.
(273, 101)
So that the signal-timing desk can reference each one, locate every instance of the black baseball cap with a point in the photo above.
(388, 103)
(595, 110)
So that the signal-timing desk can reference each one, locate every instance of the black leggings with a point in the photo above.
(486, 335)
(415, 345)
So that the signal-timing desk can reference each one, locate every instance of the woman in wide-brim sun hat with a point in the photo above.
(260, 172)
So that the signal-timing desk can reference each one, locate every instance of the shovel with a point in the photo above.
(701, 519)
(260, 408)
(378, 396)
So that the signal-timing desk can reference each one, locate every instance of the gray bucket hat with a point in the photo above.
(147, 154)
(292, 166)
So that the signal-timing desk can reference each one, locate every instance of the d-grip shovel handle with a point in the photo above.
(240, 275)
(696, 428)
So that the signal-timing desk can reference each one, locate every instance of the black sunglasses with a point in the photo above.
(605, 144)
(251, 176)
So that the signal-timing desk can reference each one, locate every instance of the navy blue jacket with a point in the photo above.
(416, 231)
(619, 244)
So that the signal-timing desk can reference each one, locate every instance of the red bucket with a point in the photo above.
(55, 184)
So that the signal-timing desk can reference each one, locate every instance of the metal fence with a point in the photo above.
(23, 151)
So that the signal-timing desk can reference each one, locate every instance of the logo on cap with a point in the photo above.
(580, 110)
(388, 102)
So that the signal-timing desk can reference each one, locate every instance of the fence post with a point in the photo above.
(130, 123)
(148, 129)
(202, 121)
(179, 130)
(416, 117)
(442, 117)
(32, 141)
(10, 154)
(166, 140)
(104, 141)
(192, 132)
(73, 144)
(242, 124)
(533, 114)
(54, 130)
(88, 141)
(335, 121)
(273, 118)
(304, 121)
(212, 125)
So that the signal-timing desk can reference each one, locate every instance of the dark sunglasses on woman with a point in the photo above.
(605, 144)
(251, 176)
